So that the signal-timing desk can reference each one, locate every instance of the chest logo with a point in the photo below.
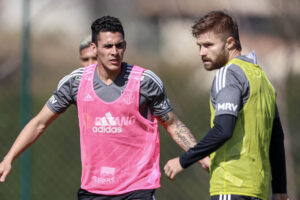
(88, 97)
(110, 124)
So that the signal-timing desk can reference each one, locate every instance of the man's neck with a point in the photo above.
(107, 76)
(234, 53)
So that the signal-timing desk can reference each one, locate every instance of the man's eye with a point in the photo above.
(120, 46)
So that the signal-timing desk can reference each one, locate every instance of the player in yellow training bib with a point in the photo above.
(246, 139)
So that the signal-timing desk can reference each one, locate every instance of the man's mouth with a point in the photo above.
(114, 61)
(206, 61)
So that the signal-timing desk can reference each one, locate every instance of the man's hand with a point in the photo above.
(5, 168)
(280, 196)
(205, 163)
(172, 168)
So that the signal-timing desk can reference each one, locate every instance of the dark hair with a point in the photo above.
(219, 22)
(106, 24)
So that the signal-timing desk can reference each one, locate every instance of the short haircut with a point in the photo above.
(85, 42)
(219, 22)
(106, 24)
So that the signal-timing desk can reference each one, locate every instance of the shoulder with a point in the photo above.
(230, 69)
(235, 71)
(150, 78)
(228, 74)
(74, 76)
(229, 77)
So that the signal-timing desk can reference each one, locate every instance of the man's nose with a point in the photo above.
(202, 52)
(114, 50)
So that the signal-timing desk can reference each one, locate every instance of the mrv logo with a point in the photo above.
(110, 124)
(227, 106)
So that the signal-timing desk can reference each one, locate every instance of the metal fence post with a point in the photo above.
(25, 99)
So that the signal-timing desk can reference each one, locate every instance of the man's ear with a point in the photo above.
(230, 43)
(93, 47)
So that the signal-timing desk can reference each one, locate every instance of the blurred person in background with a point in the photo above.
(119, 106)
(246, 141)
(87, 55)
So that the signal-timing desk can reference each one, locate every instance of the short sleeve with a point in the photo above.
(152, 90)
(230, 90)
(66, 92)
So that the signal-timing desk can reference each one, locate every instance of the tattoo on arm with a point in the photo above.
(184, 137)
(178, 131)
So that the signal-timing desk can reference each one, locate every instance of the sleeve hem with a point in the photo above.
(52, 109)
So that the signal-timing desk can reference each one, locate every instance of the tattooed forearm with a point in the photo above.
(183, 136)
(178, 131)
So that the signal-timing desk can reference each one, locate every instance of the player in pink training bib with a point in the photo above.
(119, 106)
(127, 143)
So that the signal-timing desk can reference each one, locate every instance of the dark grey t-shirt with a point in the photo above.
(153, 98)
(230, 89)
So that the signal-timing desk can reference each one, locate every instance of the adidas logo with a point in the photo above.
(88, 97)
(110, 124)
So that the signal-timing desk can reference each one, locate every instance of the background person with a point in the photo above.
(87, 55)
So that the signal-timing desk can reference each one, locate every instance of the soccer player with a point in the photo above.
(245, 142)
(119, 106)
(87, 55)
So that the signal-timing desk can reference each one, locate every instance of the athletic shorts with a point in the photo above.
(135, 195)
(232, 197)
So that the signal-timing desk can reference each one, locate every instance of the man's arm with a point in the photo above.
(152, 90)
(27, 136)
(214, 139)
(181, 134)
(234, 90)
(277, 161)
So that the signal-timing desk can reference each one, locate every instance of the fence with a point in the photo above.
(55, 166)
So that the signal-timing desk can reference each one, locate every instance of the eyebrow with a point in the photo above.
(119, 43)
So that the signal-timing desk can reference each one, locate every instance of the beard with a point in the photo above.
(220, 61)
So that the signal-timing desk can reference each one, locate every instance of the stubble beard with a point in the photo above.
(220, 61)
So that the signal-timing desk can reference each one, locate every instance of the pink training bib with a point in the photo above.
(119, 147)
